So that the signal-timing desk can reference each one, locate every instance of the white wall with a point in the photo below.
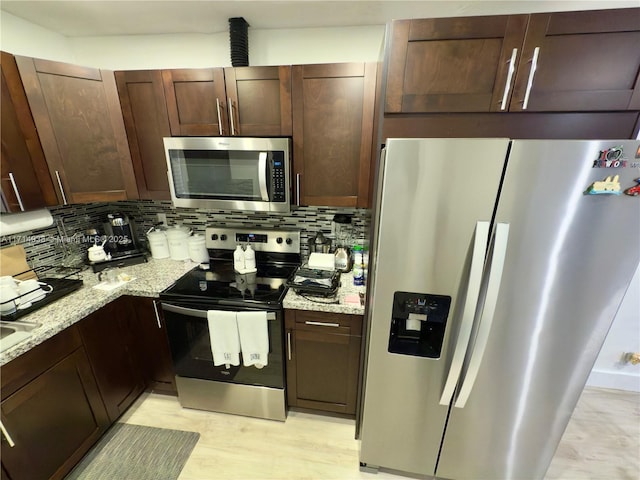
(281, 47)
(624, 336)
(20, 37)
(266, 47)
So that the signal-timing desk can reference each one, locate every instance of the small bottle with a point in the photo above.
(249, 258)
(238, 259)
(342, 260)
(358, 268)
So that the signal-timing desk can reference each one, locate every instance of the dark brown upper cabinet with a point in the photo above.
(259, 101)
(580, 61)
(79, 121)
(196, 101)
(246, 101)
(146, 121)
(451, 64)
(26, 182)
(568, 61)
(333, 107)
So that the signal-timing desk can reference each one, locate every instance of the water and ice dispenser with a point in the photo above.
(418, 324)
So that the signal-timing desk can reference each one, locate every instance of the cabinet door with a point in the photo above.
(78, 117)
(332, 133)
(151, 345)
(580, 61)
(146, 121)
(259, 100)
(453, 64)
(196, 101)
(51, 409)
(106, 335)
(26, 183)
(323, 359)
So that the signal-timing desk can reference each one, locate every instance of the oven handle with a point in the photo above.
(192, 312)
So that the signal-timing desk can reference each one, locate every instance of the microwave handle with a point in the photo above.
(262, 167)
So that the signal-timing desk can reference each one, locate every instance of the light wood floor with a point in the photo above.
(601, 442)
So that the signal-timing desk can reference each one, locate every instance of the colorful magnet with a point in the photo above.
(635, 190)
(608, 186)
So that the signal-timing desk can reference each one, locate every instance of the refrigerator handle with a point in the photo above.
(480, 240)
(496, 257)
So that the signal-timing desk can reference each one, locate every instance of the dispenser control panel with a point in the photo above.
(418, 324)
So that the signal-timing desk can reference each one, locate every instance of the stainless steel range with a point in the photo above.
(241, 385)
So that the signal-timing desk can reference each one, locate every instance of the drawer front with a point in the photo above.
(324, 321)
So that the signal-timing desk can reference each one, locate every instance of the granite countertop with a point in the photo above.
(297, 302)
(149, 279)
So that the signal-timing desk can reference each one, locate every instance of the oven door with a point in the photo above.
(188, 333)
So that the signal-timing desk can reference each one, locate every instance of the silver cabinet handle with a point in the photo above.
(323, 324)
(219, 116)
(497, 255)
(233, 130)
(15, 189)
(7, 436)
(155, 309)
(64, 197)
(507, 86)
(480, 241)
(298, 189)
(532, 72)
(289, 345)
(262, 176)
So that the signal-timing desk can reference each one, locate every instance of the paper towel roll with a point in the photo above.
(12, 223)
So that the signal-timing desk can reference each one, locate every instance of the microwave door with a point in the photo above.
(262, 172)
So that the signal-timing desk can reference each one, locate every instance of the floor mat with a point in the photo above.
(135, 452)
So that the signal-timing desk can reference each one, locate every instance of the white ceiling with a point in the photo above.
(81, 18)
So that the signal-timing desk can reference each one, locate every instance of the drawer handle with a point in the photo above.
(289, 345)
(323, 324)
(219, 116)
(64, 197)
(155, 309)
(7, 436)
(507, 86)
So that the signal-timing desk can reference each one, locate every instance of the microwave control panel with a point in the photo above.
(278, 183)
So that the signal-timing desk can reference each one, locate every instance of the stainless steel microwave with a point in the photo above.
(236, 173)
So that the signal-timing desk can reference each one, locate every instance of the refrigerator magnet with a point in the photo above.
(608, 186)
(635, 190)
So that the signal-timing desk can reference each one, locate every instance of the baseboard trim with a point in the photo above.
(617, 380)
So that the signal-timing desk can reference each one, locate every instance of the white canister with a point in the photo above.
(177, 238)
(197, 249)
(158, 244)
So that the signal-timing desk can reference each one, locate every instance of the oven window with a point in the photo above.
(223, 174)
(192, 356)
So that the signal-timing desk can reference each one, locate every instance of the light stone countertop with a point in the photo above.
(150, 279)
(297, 302)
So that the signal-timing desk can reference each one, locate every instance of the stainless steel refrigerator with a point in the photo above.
(497, 269)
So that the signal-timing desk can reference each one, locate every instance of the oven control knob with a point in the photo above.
(214, 236)
(289, 241)
(223, 237)
(279, 240)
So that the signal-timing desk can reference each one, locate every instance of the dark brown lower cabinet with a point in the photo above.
(107, 336)
(51, 409)
(323, 358)
(152, 346)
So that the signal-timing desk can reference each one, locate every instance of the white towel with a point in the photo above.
(254, 338)
(223, 332)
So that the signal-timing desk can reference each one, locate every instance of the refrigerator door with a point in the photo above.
(435, 193)
(569, 260)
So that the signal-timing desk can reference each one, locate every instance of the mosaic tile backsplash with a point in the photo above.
(62, 243)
